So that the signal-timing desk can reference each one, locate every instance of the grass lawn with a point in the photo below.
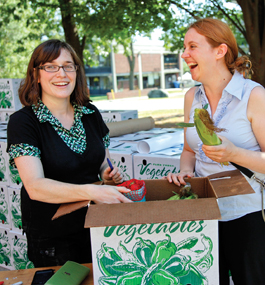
(98, 97)
(164, 118)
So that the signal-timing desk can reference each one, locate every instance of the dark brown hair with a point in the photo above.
(217, 33)
(30, 90)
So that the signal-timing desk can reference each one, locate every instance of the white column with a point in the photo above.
(113, 70)
(180, 66)
(140, 75)
(162, 74)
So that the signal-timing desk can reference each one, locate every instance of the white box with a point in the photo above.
(4, 164)
(5, 217)
(5, 115)
(194, 268)
(15, 209)
(4, 118)
(3, 131)
(160, 241)
(110, 116)
(123, 160)
(9, 99)
(14, 178)
(19, 249)
(5, 249)
(154, 166)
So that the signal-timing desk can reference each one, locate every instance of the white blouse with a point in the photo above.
(231, 114)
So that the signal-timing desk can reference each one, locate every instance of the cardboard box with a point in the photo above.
(3, 132)
(5, 217)
(9, 99)
(19, 249)
(154, 166)
(121, 154)
(123, 160)
(110, 116)
(4, 118)
(15, 209)
(146, 239)
(4, 164)
(14, 178)
(5, 249)
(5, 115)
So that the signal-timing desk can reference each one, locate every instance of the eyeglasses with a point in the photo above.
(56, 68)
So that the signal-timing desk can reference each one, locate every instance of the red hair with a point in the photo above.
(217, 33)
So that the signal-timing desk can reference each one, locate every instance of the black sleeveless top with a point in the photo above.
(59, 163)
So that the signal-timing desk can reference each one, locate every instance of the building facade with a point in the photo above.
(154, 67)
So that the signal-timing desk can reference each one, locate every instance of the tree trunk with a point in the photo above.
(131, 60)
(70, 29)
(254, 15)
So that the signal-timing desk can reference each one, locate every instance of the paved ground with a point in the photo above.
(143, 103)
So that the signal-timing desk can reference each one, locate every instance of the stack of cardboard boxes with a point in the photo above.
(134, 165)
(156, 241)
(146, 165)
(13, 244)
(110, 116)
(124, 153)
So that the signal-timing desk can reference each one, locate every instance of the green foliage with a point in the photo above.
(87, 25)
(183, 13)
(21, 31)
(98, 25)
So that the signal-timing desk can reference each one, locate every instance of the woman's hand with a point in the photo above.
(115, 175)
(178, 178)
(221, 153)
(109, 194)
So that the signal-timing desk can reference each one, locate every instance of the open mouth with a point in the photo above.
(192, 65)
(61, 83)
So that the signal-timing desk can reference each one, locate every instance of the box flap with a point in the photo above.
(161, 189)
(102, 215)
(68, 208)
(158, 210)
(230, 183)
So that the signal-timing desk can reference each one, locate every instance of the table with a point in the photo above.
(26, 275)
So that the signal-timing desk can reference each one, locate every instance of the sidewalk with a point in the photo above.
(143, 103)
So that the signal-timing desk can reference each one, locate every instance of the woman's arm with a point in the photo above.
(51, 191)
(227, 151)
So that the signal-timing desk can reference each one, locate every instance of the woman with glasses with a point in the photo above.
(236, 104)
(58, 142)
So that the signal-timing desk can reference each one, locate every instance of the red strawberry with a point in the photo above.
(134, 187)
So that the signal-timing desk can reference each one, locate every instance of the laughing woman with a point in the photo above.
(237, 105)
(58, 142)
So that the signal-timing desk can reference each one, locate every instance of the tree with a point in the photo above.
(127, 44)
(94, 23)
(129, 17)
(246, 21)
(90, 23)
(19, 35)
(254, 15)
